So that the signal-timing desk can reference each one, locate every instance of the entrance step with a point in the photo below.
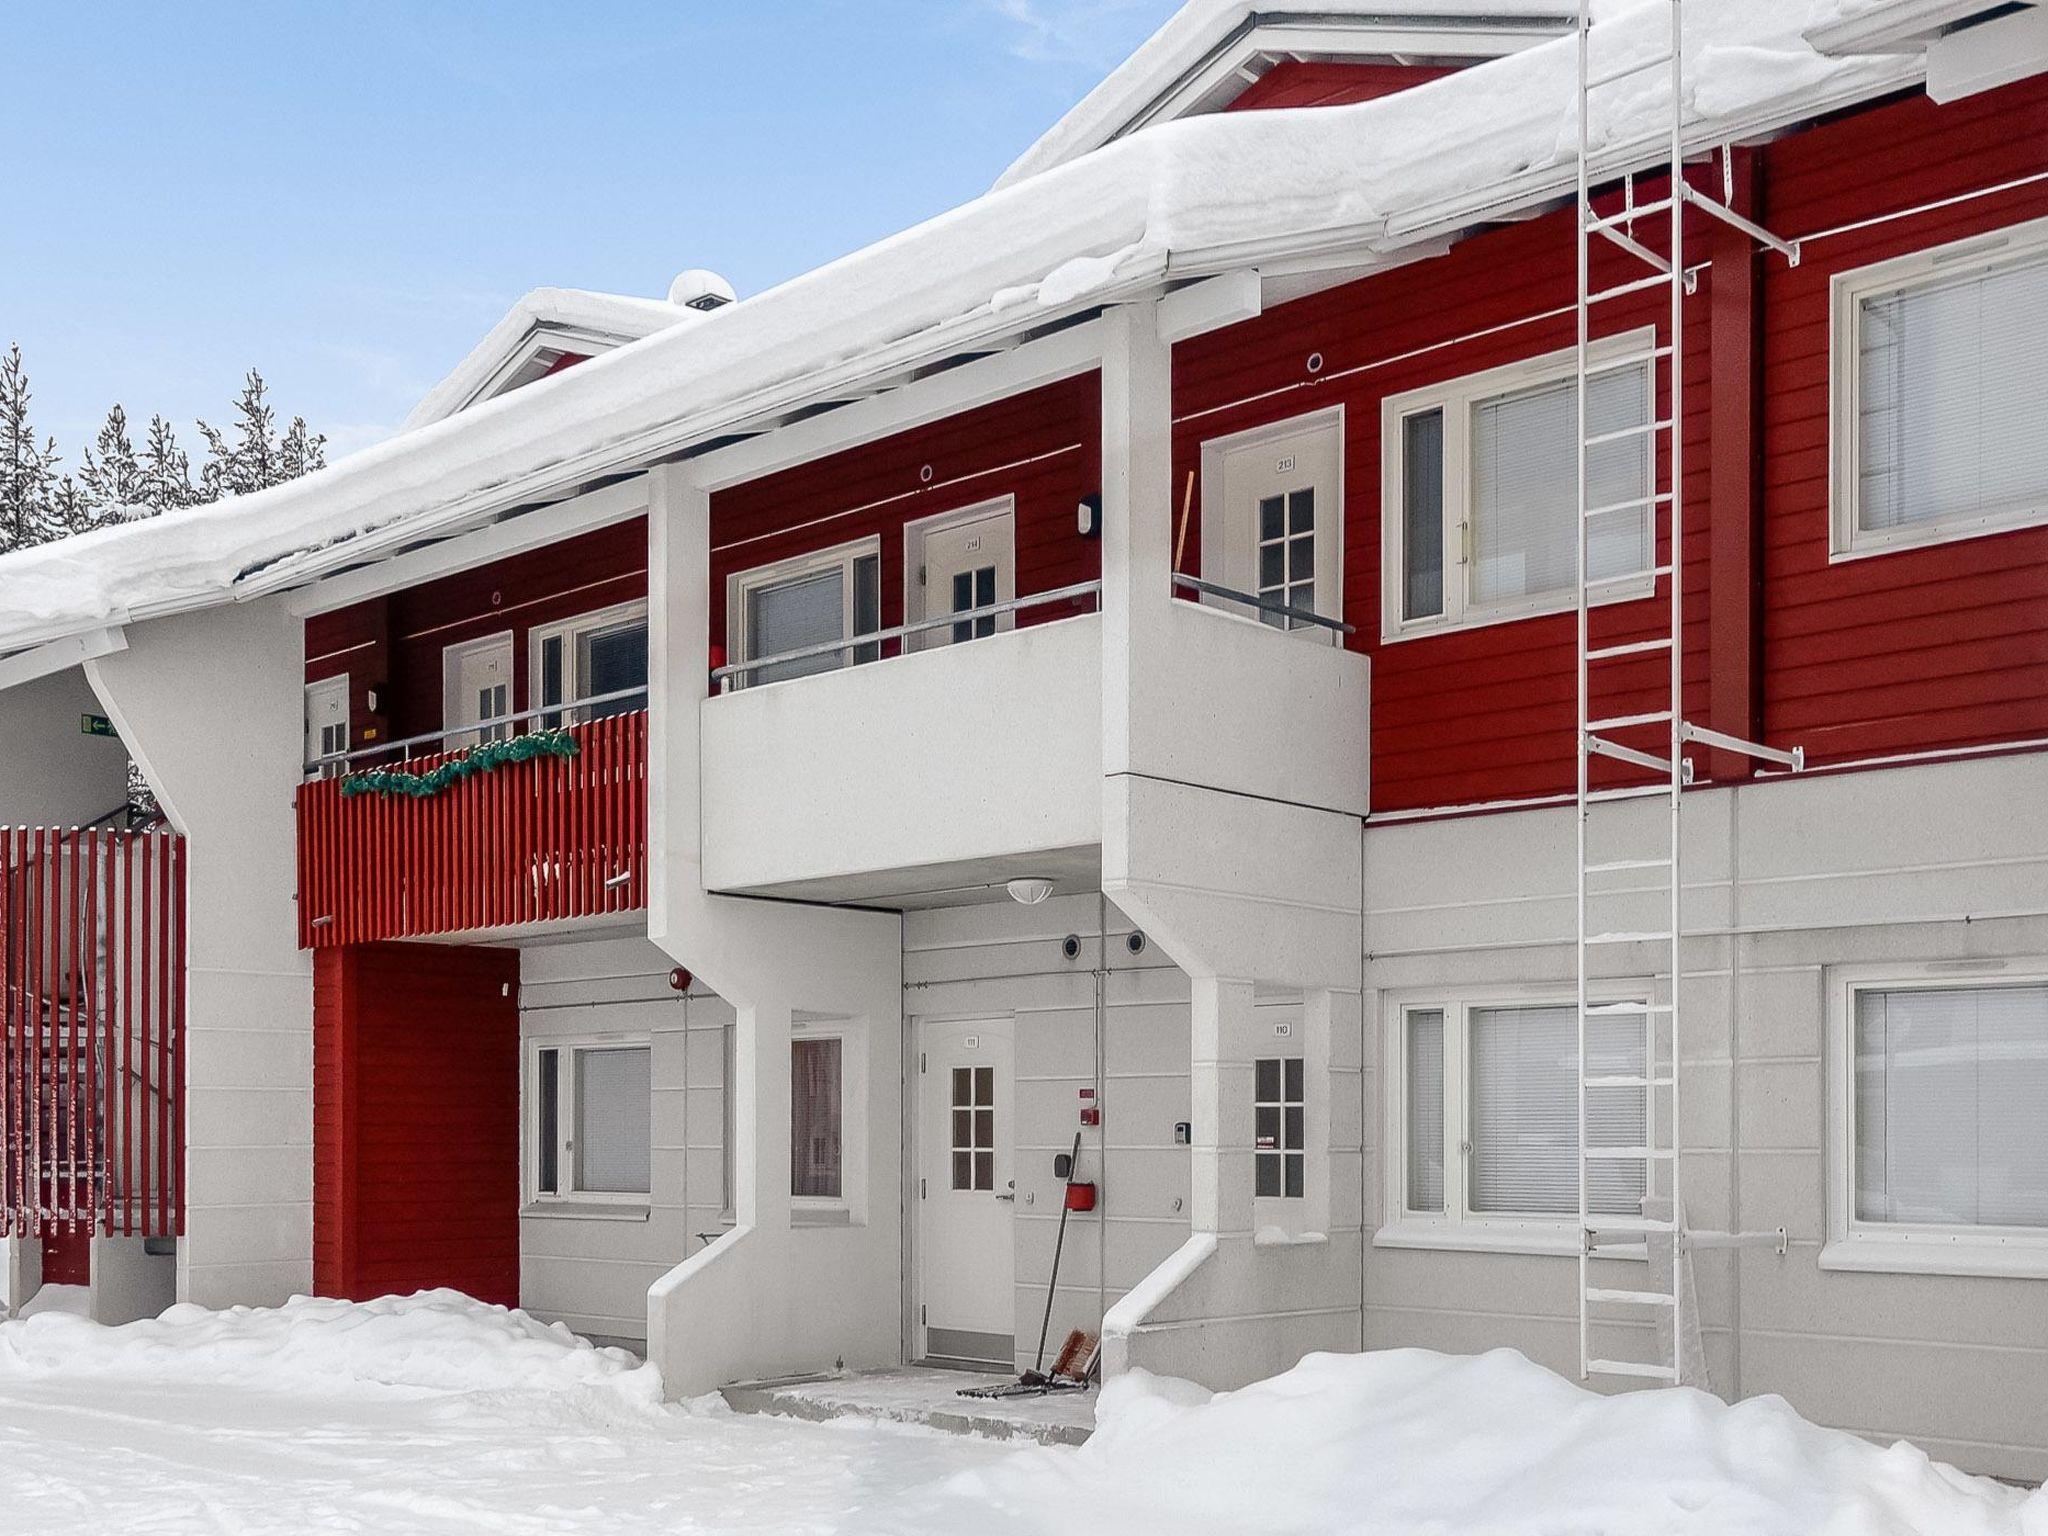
(911, 1394)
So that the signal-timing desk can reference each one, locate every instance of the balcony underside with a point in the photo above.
(957, 883)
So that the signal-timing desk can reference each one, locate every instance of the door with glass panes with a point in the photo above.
(1282, 516)
(964, 562)
(477, 687)
(966, 1193)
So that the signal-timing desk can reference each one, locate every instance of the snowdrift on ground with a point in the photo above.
(436, 1341)
(1412, 1443)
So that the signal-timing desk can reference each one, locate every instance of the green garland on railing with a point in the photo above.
(482, 759)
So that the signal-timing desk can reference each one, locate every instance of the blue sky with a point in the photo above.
(347, 194)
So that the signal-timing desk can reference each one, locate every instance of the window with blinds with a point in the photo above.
(1481, 488)
(591, 1121)
(1949, 1089)
(1950, 385)
(815, 600)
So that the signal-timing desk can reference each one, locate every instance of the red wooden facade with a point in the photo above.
(416, 1121)
(92, 1009)
(527, 842)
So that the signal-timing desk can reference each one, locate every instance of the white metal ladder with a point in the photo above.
(1631, 1200)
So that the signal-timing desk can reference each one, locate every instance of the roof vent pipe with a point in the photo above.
(699, 289)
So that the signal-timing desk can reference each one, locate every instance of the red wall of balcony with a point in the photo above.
(416, 1121)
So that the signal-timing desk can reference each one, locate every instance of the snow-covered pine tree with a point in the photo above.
(250, 462)
(27, 467)
(302, 451)
(111, 477)
(70, 511)
(164, 472)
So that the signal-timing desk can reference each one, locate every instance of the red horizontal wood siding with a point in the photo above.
(416, 1121)
(1469, 715)
(1330, 83)
(408, 632)
(1914, 650)
(1043, 448)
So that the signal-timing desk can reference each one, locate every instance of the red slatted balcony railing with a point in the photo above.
(92, 1017)
(537, 841)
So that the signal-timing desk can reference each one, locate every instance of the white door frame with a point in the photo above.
(916, 606)
(325, 688)
(915, 1231)
(452, 658)
(1218, 534)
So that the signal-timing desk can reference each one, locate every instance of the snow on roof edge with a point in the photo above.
(625, 317)
(1199, 190)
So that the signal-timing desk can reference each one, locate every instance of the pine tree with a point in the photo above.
(250, 462)
(111, 479)
(302, 451)
(70, 511)
(27, 468)
(164, 473)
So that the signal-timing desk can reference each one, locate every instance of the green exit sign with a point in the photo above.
(95, 725)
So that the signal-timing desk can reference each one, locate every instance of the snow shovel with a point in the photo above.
(1036, 1382)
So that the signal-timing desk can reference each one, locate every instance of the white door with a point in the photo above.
(476, 686)
(1282, 510)
(327, 722)
(967, 1191)
(965, 561)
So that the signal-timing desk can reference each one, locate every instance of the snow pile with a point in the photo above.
(435, 1341)
(1413, 1443)
(1187, 196)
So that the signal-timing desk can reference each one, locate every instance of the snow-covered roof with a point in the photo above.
(545, 321)
(1203, 195)
(1210, 49)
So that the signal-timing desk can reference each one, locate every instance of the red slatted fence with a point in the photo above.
(530, 842)
(92, 1015)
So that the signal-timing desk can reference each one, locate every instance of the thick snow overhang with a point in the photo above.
(1212, 50)
(545, 326)
(1337, 190)
(1899, 26)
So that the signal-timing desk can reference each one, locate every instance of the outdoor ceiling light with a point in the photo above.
(1030, 891)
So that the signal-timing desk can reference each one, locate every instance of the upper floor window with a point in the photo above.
(1940, 385)
(1942, 1146)
(1480, 490)
(803, 609)
(599, 656)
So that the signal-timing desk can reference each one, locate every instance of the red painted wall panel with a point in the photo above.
(1915, 650)
(1325, 83)
(1043, 448)
(416, 1121)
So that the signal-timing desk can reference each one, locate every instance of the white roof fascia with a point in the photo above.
(1895, 26)
(60, 655)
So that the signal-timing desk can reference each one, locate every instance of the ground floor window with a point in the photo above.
(1484, 1114)
(590, 1120)
(1943, 1143)
(1280, 1136)
(816, 1117)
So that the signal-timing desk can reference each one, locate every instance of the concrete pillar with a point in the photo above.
(210, 705)
(1221, 1188)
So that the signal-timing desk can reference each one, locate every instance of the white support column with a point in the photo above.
(1221, 1188)
(771, 1297)
(211, 706)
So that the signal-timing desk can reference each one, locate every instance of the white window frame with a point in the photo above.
(1230, 535)
(568, 1196)
(851, 1202)
(1848, 291)
(1457, 1226)
(1456, 398)
(741, 585)
(1900, 1247)
(570, 631)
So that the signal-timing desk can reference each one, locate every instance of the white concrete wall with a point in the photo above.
(1786, 880)
(51, 773)
(960, 752)
(589, 1267)
(129, 1282)
(1004, 960)
(21, 1271)
(210, 706)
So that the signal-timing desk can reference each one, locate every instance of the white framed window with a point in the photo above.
(1273, 523)
(1939, 1156)
(1279, 1128)
(1482, 1118)
(827, 1119)
(1938, 383)
(592, 656)
(1480, 490)
(825, 598)
(590, 1121)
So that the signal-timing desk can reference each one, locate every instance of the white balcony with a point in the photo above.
(911, 781)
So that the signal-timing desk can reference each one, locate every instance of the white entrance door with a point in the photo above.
(476, 679)
(327, 722)
(966, 560)
(1282, 513)
(967, 1191)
